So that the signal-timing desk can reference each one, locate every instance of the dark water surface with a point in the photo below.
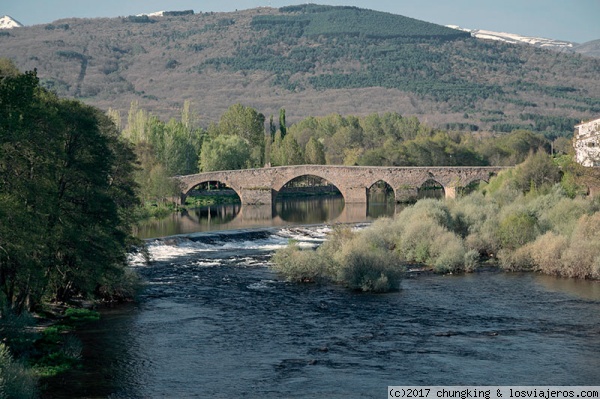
(215, 322)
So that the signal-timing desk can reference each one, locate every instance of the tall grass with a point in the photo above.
(16, 380)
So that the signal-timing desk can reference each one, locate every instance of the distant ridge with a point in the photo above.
(313, 61)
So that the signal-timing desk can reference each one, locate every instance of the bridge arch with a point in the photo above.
(286, 178)
(431, 188)
(381, 186)
(210, 182)
(307, 183)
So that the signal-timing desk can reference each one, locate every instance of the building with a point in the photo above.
(587, 143)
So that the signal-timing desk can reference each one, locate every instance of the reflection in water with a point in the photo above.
(585, 289)
(308, 211)
(213, 214)
(381, 204)
(285, 212)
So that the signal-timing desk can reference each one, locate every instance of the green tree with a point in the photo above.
(315, 152)
(538, 170)
(277, 154)
(225, 153)
(66, 190)
(282, 124)
(248, 124)
(292, 153)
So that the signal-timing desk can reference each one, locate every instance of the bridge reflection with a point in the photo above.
(281, 213)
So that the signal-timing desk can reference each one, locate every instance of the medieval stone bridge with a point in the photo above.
(261, 186)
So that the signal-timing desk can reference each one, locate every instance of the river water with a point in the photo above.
(288, 212)
(214, 321)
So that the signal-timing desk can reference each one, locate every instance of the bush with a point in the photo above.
(369, 269)
(546, 253)
(515, 260)
(300, 265)
(582, 258)
(16, 331)
(517, 229)
(425, 236)
(564, 215)
(16, 381)
(345, 258)
(471, 262)
(537, 171)
(447, 253)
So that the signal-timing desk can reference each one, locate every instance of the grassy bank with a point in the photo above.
(531, 218)
(34, 349)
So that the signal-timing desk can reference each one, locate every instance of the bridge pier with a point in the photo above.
(256, 195)
(450, 192)
(355, 195)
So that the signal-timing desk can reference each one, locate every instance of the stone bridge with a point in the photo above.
(261, 186)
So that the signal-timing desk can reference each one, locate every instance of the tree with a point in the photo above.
(248, 124)
(66, 194)
(225, 153)
(537, 170)
(315, 152)
(277, 155)
(282, 125)
(292, 153)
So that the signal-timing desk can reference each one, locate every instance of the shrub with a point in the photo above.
(537, 171)
(79, 315)
(415, 243)
(563, 216)
(547, 251)
(515, 260)
(447, 253)
(516, 229)
(471, 212)
(16, 381)
(16, 331)
(471, 261)
(299, 265)
(369, 269)
(582, 258)
(346, 258)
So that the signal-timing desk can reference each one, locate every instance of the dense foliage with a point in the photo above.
(66, 194)
(316, 20)
(393, 140)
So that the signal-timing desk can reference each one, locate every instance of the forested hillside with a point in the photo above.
(313, 61)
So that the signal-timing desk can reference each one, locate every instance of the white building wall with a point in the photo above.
(587, 143)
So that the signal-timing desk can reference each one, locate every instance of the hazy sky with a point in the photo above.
(571, 20)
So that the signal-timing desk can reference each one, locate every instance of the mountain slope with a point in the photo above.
(590, 49)
(311, 60)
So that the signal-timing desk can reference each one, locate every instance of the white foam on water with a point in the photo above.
(206, 263)
(169, 248)
(262, 285)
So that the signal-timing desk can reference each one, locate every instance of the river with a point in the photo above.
(214, 321)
